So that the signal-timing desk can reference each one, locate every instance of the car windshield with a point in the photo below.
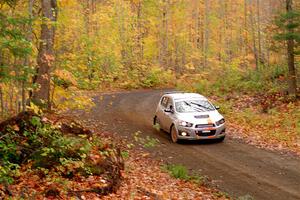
(196, 105)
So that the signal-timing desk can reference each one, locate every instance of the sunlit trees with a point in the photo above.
(136, 43)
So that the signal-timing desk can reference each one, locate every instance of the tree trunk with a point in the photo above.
(255, 53)
(1, 91)
(45, 57)
(206, 33)
(1, 102)
(225, 30)
(291, 58)
(27, 60)
(139, 31)
(221, 16)
(164, 51)
(246, 33)
(259, 57)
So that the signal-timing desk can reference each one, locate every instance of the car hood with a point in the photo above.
(200, 117)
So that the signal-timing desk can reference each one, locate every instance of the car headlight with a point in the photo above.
(220, 122)
(185, 124)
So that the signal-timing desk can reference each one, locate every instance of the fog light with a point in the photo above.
(184, 134)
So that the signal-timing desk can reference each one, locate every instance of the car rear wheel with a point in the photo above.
(154, 120)
(174, 136)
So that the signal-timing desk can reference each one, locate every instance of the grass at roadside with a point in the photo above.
(181, 172)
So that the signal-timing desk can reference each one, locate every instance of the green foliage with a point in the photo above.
(156, 77)
(177, 171)
(289, 27)
(8, 171)
(151, 142)
(13, 42)
(147, 142)
(12, 37)
(181, 172)
(36, 121)
(232, 80)
(45, 147)
(61, 82)
(125, 154)
(156, 126)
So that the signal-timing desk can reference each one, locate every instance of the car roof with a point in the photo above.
(184, 95)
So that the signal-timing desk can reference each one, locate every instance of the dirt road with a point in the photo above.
(238, 169)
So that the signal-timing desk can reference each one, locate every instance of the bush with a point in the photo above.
(156, 76)
(27, 138)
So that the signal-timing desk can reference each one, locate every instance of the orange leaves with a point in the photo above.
(144, 179)
(66, 75)
(16, 128)
(265, 121)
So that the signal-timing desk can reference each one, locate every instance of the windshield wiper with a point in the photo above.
(200, 106)
(189, 104)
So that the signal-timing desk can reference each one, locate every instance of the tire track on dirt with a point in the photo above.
(239, 168)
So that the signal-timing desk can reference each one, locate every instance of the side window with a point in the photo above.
(170, 103)
(164, 102)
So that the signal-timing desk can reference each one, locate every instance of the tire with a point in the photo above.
(156, 123)
(173, 134)
(154, 120)
(221, 139)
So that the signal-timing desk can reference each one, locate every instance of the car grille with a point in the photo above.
(201, 116)
(211, 133)
(204, 125)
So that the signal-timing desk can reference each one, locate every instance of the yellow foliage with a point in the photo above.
(34, 108)
(66, 75)
(71, 99)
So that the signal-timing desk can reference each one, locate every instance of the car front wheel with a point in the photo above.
(221, 139)
(174, 136)
(156, 124)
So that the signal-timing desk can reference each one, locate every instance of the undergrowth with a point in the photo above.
(57, 153)
(228, 80)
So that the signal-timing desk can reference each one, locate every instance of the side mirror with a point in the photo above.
(169, 110)
(217, 107)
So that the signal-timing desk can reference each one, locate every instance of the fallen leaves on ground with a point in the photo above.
(144, 179)
(266, 121)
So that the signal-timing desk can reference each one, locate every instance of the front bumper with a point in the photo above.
(201, 133)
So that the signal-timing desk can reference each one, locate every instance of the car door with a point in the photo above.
(161, 111)
(169, 116)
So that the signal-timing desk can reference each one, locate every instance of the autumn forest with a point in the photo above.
(94, 44)
(80, 81)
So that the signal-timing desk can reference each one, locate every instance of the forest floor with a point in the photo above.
(234, 166)
(145, 177)
(134, 175)
(265, 121)
(157, 169)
